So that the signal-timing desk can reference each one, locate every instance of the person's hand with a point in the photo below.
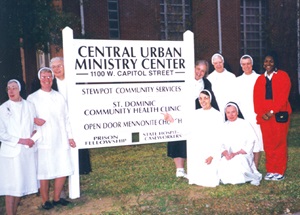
(72, 143)
(234, 154)
(241, 152)
(267, 116)
(168, 117)
(39, 121)
(33, 133)
(26, 142)
(29, 142)
(208, 160)
(227, 155)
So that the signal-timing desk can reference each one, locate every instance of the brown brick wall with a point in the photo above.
(230, 13)
(96, 19)
(139, 19)
(205, 20)
(205, 28)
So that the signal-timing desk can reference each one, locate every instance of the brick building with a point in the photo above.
(167, 20)
(217, 24)
(232, 27)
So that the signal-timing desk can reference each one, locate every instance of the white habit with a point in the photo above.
(223, 85)
(54, 156)
(244, 98)
(238, 135)
(198, 87)
(62, 88)
(205, 142)
(17, 163)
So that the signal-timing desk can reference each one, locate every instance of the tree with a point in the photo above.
(38, 23)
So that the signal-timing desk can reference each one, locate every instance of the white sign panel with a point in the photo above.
(118, 89)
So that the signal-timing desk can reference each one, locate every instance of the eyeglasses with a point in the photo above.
(57, 66)
(46, 77)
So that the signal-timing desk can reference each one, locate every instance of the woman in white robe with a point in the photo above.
(238, 139)
(17, 151)
(222, 81)
(54, 158)
(204, 148)
(244, 98)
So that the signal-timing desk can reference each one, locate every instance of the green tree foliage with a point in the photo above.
(38, 23)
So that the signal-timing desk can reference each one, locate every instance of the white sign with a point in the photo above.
(118, 90)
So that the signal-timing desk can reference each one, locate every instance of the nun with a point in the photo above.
(204, 147)
(18, 149)
(54, 148)
(238, 138)
(223, 81)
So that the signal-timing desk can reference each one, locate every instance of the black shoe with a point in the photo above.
(47, 205)
(61, 201)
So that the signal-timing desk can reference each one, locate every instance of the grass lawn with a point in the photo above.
(141, 180)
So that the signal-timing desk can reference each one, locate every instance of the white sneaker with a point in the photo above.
(181, 173)
(277, 177)
(269, 176)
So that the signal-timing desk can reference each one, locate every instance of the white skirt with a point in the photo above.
(238, 170)
(201, 174)
(54, 163)
(18, 175)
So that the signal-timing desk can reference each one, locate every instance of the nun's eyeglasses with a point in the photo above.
(46, 77)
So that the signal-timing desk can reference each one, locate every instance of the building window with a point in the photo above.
(42, 59)
(113, 19)
(175, 18)
(253, 17)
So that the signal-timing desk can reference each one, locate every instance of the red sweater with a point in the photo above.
(281, 86)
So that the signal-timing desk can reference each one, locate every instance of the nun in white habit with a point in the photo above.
(54, 158)
(17, 151)
(222, 81)
(238, 139)
(203, 146)
(204, 149)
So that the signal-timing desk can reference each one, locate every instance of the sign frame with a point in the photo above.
(187, 101)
